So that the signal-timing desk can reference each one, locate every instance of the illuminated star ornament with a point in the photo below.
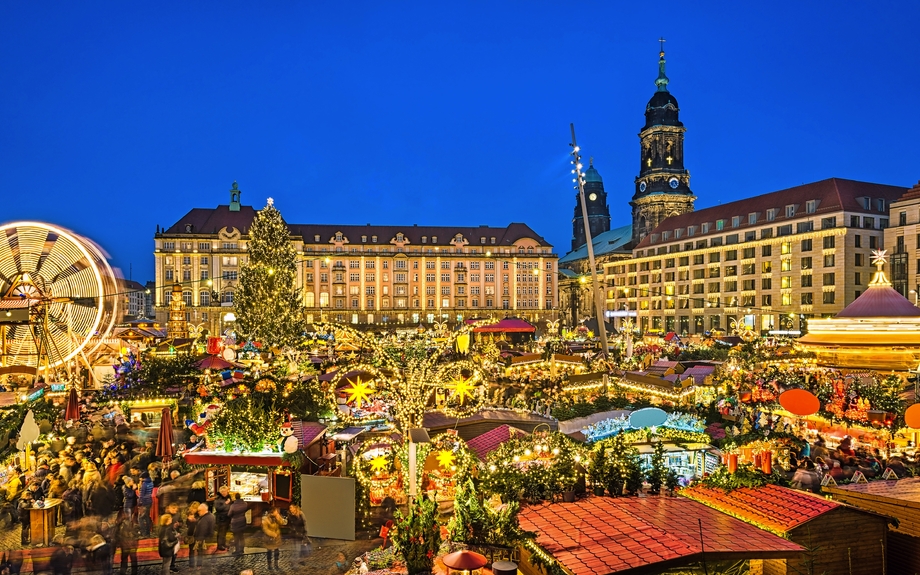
(445, 458)
(462, 388)
(358, 392)
(379, 463)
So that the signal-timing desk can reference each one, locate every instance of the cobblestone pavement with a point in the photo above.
(320, 562)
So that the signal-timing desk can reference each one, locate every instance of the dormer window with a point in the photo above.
(316, 238)
(434, 239)
(424, 239)
(654, 238)
(482, 240)
(752, 218)
(771, 214)
(720, 225)
(373, 239)
(880, 204)
(338, 236)
(691, 230)
(492, 241)
(736, 221)
(399, 237)
(811, 206)
(790, 211)
(677, 234)
(867, 203)
(705, 228)
(363, 239)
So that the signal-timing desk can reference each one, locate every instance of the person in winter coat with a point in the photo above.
(204, 530)
(196, 493)
(297, 529)
(221, 509)
(25, 516)
(144, 503)
(237, 516)
(130, 497)
(99, 555)
(126, 537)
(271, 528)
(61, 561)
(168, 541)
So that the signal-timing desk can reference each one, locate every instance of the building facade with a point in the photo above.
(366, 275)
(769, 262)
(902, 242)
(598, 210)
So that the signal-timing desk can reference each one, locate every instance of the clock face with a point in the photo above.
(674, 182)
(592, 197)
(642, 186)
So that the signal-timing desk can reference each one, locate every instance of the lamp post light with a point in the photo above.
(589, 243)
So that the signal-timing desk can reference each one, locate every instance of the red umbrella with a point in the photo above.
(72, 411)
(213, 362)
(165, 448)
(465, 560)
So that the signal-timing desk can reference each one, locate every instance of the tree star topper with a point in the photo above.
(358, 392)
(270, 202)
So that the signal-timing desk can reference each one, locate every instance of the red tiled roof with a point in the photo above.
(771, 507)
(880, 301)
(600, 535)
(833, 194)
(212, 220)
(483, 445)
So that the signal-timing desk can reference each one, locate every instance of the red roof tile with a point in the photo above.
(484, 444)
(833, 194)
(307, 432)
(601, 535)
(771, 507)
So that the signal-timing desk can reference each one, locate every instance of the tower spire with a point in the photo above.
(662, 80)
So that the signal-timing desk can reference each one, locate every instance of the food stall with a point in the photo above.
(262, 479)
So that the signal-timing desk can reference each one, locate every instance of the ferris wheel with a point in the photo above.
(57, 297)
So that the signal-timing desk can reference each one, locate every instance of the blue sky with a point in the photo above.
(117, 117)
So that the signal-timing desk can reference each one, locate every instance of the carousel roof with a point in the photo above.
(880, 301)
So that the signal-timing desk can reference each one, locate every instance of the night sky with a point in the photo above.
(117, 117)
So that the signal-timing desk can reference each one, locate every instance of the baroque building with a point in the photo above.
(663, 184)
(598, 210)
(366, 275)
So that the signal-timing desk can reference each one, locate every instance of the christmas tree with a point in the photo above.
(267, 303)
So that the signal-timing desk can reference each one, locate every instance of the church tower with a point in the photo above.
(598, 210)
(663, 184)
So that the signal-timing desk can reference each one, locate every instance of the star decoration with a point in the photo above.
(379, 463)
(879, 257)
(271, 201)
(445, 458)
(462, 388)
(358, 392)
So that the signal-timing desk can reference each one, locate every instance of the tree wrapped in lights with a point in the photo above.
(245, 424)
(417, 373)
(267, 303)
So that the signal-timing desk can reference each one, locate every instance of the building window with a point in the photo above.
(752, 218)
(790, 211)
(204, 298)
(829, 260)
(828, 297)
(829, 242)
(829, 279)
(811, 206)
(807, 298)
(169, 275)
(806, 280)
(226, 297)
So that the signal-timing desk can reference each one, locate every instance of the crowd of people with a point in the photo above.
(103, 478)
(814, 460)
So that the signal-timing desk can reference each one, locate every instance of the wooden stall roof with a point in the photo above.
(899, 499)
(602, 535)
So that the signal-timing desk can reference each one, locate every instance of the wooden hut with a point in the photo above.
(837, 538)
(899, 499)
